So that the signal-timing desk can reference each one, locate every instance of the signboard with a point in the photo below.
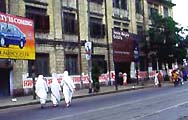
(136, 54)
(16, 37)
(123, 46)
(88, 46)
(28, 82)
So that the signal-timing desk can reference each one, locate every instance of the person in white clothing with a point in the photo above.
(68, 88)
(156, 81)
(41, 90)
(55, 90)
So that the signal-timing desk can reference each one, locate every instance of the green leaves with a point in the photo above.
(164, 36)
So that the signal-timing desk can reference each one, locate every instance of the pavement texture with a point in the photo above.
(8, 102)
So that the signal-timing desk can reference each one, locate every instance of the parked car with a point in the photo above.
(11, 35)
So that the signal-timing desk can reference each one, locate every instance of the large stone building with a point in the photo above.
(61, 30)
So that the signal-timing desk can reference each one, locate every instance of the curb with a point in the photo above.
(76, 97)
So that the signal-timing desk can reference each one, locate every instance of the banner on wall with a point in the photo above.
(103, 78)
(16, 37)
(28, 82)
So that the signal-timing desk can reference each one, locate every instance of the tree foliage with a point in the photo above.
(165, 38)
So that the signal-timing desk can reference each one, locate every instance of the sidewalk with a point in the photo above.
(28, 100)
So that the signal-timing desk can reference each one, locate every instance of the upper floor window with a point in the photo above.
(122, 4)
(70, 24)
(97, 1)
(3, 6)
(40, 18)
(165, 12)
(97, 29)
(116, 3)
(138, 4)
(152, 11)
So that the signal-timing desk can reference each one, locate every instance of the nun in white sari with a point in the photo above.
(41, 90)
(68, 88)
(55, 90)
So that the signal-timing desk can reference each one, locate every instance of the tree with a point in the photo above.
(165, 39)
(95, 76)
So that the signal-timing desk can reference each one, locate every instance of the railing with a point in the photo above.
(69, 3)
(96, 8)
(120, 13)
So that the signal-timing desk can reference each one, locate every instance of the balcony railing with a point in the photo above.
(69, 3)
(120, 13)
(96, 8)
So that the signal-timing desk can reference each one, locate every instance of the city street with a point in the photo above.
(166, 103)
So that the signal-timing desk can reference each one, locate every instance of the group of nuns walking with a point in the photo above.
(55, 89)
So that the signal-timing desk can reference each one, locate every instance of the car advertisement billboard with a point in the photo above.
(16, 37)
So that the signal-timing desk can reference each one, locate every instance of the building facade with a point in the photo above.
(61, 31)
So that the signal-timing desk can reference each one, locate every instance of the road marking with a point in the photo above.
(132, 102)
(162, 110)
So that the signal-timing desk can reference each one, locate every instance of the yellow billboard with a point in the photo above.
(16, 37)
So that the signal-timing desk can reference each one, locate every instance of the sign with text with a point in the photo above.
(16, 37)
(28, 82)
(123, 46)
(88, 46)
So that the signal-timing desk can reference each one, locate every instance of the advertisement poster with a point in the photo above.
(16, 37)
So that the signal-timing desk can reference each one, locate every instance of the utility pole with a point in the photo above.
(89, 60)
(136, 57)
(145, 37)
(144, 19)
(79, 42)
(33, 78)
(108, 44)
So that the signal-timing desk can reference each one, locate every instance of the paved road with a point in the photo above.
(166, 103)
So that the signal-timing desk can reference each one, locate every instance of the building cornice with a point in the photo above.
(36, 2)
(164, 2)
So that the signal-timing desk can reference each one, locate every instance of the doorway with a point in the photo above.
(4, 82)
(123, 67)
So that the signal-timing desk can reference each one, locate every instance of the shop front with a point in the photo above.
(123, 48)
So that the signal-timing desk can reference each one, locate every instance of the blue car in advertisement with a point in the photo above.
(11, 35)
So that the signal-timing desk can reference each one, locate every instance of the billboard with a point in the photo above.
(16, 37)
(123, 46)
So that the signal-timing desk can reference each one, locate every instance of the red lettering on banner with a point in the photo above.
(103, 77)
(144, 74)
(76, 79)
(27, 83)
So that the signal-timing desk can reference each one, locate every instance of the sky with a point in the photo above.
(180, 12)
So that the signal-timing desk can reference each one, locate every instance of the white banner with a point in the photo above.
(28, 82)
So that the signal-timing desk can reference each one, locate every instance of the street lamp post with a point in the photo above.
(136, 57)
(33, 78)
(89, 48)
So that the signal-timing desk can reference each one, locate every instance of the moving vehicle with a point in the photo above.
(11, 35)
